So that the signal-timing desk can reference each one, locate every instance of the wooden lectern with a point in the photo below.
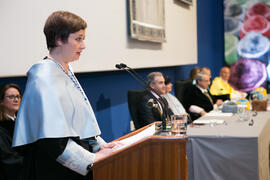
(152, 158)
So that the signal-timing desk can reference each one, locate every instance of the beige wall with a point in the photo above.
(23, 43)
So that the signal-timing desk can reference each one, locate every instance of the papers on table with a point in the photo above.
(209, 121)
(219, 114)
(137, 137)
(213, 121)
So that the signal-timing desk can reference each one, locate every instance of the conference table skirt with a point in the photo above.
(231, 151)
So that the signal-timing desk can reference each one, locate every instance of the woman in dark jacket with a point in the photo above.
(10, 161)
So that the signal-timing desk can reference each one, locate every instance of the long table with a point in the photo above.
(230, 151)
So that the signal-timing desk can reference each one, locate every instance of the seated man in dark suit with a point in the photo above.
(198, 98)
(153, 107)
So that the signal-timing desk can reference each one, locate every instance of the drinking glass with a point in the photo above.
(179, 124)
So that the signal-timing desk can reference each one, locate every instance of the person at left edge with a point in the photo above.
(10, 161)
(56, 129)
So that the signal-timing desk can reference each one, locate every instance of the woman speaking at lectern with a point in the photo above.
(56, 129)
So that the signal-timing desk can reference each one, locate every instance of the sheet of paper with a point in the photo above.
(137, 137)
(209, 121)
(218, 113)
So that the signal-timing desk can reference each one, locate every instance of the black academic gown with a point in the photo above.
(149, 112)
(40, 160)
(194, 96)
(10, 160)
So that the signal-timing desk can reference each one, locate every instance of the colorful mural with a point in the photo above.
(247, 45)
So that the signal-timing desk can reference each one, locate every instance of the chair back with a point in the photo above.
(134, 99)
(180, 89)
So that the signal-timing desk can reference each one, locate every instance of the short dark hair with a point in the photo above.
(59, 25)
(167, 80)
(193, 72)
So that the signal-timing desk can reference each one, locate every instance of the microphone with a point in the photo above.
(120, 66)
(132, 72)
(139, 79)
(123, 65)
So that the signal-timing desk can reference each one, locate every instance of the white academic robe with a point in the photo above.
(53, 107)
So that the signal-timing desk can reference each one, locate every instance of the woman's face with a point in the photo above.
(11, 101)
(72, 49)
(168, 87)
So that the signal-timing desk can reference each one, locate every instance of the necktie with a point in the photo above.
(209, 97)
(160, 106)
(164, 110)
(161, 101)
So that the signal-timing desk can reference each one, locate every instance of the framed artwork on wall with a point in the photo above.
(147, 20)
(187, 1)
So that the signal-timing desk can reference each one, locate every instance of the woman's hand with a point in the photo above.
(102, 153)
(112, 145)
(106, 149)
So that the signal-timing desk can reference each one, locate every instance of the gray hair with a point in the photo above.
(200, 76)
(151, 77)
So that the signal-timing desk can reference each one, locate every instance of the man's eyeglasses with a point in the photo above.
(12, 97)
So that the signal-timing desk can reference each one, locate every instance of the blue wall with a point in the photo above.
(107, 91)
